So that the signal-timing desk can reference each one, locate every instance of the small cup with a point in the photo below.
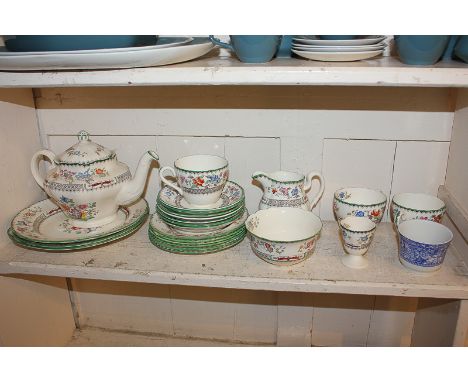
(409, 206)
(200, 178)
(252, 48)
(423, 244)
(360, 202)
(420, 50)
(357, 233)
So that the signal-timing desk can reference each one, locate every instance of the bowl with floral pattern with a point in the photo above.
(283, 236)
(360, 202)
(409, 206)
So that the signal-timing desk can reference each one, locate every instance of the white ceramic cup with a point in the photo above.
(360, 202)
(423, 244)
(200, 178)
(409, 206)
(357, 233)
(283, 235)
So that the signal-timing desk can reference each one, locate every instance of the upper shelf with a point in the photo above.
(214, 70)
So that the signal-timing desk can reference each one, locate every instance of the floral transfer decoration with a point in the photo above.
(401, 214)
(27, 224)
(84, 211)
(203, 183)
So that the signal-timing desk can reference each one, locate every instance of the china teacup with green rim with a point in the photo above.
(360, 202)
(200, 179)
(410, 206)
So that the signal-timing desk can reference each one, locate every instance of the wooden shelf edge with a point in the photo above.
(385, 71)
(232, 282)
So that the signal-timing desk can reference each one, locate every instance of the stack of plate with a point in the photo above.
(45, 227)
(180, 228)
(313, 48)
(167, 50)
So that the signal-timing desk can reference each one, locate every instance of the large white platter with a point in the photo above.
(97, 59)
(354, 42)
(337, 56)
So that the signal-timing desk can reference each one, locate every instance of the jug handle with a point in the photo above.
(308, 185)
(35, 165)
(167, 182)
(258, 174)
(216, 41)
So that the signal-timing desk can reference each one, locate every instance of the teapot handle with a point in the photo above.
(35, 165)
(308, 185)
(168, 183)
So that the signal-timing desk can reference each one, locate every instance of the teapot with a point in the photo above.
(288, 189)
(89, 183)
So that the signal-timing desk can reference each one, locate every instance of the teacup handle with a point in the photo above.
(167, 182)
(35, 165)
(308, 185)
(216, 41)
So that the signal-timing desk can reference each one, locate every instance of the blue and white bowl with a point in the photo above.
(423, 244)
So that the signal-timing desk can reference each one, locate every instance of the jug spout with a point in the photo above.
(132, 190)
(262, 178)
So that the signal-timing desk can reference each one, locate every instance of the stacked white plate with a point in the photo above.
(167, 50)
(313, 48)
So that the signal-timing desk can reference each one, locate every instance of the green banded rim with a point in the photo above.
(184, 224)
(200, 212)
(440, 210)
(143, 217)
(184, 251)
(190, 239)
(197, 243)
(177, 215)
(70, 247)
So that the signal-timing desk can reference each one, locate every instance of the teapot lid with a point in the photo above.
(85, 152)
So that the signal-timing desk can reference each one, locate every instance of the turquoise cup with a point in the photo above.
(420, 50)
(252, 48)
(461, 48)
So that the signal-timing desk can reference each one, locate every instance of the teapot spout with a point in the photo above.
(132, 190)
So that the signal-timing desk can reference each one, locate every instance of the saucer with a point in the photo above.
(44, 222)
(231, 197)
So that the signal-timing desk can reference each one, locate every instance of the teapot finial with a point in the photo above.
(83, 135)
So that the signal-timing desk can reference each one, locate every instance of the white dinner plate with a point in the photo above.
(318, 48)
(337, 56)
(96, 59)
(312, 40)
(163, 42)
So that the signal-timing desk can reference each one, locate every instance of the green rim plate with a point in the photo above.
(70, 247)
(184, 251)
(197, 243)
(178, 223)
(48, 204)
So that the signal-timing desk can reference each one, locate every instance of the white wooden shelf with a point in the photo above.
(136, 259)
(214, 70)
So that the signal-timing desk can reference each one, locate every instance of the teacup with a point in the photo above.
(409, 206)
(252, 48)
(200, 178)
(360, 202)
(420, 50)
(357, 233)
(283, 236)
(461, 48)
(423, 244)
